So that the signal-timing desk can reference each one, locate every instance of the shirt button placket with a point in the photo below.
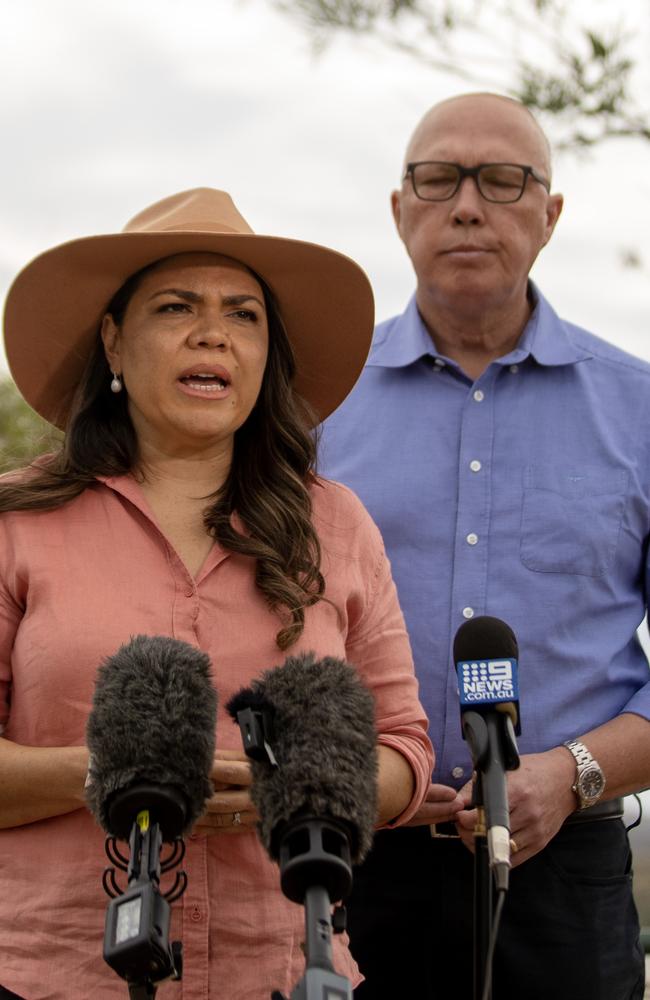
(470, 570)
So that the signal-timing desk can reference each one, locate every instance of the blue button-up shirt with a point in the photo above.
(524, 495)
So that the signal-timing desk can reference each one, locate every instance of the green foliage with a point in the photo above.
(362, 16)
(23, 434)
(590, 90)
(581, 76)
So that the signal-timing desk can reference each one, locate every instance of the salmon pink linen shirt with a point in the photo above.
(76, 583)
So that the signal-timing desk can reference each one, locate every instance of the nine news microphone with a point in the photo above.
(151, 737)
(486, 653)
(309, 729)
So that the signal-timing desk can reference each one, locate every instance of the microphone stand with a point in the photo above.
(136, 935)
(316, 870)
(483, 908)
(500, 751)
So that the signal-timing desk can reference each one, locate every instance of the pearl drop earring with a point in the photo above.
(116, 384)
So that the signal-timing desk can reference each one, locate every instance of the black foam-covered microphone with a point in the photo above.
(151, 736)
(489, 648)
(486, 656)
(319, 724)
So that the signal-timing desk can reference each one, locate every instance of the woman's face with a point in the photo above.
(191, 350)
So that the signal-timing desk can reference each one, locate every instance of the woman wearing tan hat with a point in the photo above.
(186, 360)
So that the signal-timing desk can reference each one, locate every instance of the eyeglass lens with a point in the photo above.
(496, 182)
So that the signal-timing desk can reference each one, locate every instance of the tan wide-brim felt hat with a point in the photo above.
(56, 303)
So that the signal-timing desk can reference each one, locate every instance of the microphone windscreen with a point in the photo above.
(324, 740)
(485, 638)
(486, 656)
(152, 722)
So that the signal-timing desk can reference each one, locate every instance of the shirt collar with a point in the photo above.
(545, 338)
(128, 487)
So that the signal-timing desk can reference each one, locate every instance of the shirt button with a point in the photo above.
(475, 465)
(195, 914)
(468, 612)
(457, 772)
(189, 592)
(471, 539)
(514, 369)
(438, 363)
(478, 396)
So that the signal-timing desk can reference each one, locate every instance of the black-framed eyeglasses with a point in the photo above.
(504, 183)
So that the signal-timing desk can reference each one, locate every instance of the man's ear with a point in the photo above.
(554, 207)
(396, 206)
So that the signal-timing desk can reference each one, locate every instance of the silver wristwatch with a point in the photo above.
(590, 780)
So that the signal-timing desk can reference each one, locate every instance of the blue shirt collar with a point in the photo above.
(545, 338)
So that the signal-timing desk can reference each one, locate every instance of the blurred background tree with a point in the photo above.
(538, 51)
(23, 434)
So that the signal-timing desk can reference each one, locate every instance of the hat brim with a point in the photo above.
(56, 303)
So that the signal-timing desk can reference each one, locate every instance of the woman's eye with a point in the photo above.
(172, 307)
(247, 314)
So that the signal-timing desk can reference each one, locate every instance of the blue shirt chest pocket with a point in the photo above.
(571, 518)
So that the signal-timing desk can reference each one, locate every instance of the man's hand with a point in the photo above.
(230, 810)
(539, 799)
(441, 804)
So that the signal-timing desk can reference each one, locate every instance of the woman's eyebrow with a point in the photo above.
(229, 300)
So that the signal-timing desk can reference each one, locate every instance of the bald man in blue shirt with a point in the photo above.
(505, 455)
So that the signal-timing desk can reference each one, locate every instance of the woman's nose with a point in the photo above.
(209, 331)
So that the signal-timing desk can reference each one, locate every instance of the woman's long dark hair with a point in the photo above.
(267, 486)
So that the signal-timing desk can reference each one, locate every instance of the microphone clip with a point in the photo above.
(136, 932)
(256, 727)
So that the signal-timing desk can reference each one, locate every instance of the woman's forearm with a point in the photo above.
(39, 782)
(396, 784)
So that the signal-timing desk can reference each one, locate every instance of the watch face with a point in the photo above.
(591, 783)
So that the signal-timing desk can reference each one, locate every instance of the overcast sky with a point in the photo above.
(108, 106)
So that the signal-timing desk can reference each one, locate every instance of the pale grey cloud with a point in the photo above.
(109, 106)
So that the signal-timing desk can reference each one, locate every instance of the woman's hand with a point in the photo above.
(441, 805)
(230, 810)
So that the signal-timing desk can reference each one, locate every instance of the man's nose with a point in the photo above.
(467, 204)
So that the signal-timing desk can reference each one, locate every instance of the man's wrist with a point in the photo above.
(589, 781)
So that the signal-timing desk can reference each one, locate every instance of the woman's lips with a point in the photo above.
(206, 381)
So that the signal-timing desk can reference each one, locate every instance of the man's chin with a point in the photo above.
(471, 293)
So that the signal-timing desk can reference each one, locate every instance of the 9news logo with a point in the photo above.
(487, 682)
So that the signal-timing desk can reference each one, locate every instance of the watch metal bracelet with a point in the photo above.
(580, 752)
